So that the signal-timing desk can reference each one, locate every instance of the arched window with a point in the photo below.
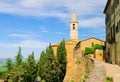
(73, 26)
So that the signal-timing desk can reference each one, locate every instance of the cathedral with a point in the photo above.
(75, 47)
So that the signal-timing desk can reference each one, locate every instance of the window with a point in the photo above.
(92, 44)
(107, 18)
(111, 31)
(116, 3)
(112, 9)
(73, 26)
(119, 25)
(117, 28)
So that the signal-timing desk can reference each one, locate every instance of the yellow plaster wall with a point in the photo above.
(71, 61)
(99, 54)
(69, 45)
(88, 43)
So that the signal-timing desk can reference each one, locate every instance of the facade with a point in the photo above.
(112, 21)
(90, 42)
(70, 44)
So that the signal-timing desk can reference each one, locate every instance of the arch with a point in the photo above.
(73, 26)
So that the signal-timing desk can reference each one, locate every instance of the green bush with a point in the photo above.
(87, 67)
(43, 80)
(109, 79)
(72, 80)
(85, 75)
(88, 51)
(98, 46)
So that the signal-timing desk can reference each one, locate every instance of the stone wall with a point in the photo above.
(98, 74)
(77, 68)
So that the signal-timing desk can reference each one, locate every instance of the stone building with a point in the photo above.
(70, 44)
(90, 42)
(112, 21)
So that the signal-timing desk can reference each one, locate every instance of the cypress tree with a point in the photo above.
(9, 65)
(45, 65)
(31, 72)
(62, 60)
(19, 57)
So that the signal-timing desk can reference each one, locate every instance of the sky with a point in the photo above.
(33, 24)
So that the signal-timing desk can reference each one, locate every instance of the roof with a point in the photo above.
(74, 17)
(93, 38)
(108, 2)
(78, 44)
(67, 42)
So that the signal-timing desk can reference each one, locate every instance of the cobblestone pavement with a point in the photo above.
(113, 71)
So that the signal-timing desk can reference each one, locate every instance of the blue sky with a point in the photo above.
(33, 24)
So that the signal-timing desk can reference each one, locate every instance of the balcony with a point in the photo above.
(110, 39)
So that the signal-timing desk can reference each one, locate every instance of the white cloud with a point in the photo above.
(45, 31)
(51, 8)
(27, 44)
(18, 35)
(24, 35)
(60, 33)
(92, 22)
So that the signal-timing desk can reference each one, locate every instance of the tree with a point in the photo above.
(19, 57)
(41, 63)
(46, 65)
(31, 69)
(16, 73)
(62, 60)
(18, 70)
(9, 65)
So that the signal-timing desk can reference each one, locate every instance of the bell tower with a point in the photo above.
(74, 27)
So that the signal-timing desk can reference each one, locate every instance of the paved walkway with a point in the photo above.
(1, 81)
(113, 71)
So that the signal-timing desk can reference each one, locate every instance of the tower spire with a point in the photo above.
(74, 27)
(74, 18)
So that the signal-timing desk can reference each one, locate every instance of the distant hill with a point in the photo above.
(3, 60)
(3, 63)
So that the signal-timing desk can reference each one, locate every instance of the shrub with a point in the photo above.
(109, 79)
(85, 75)
(87, 67)
(88, 51)
(72, 80)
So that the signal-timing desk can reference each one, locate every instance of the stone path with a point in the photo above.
(113, 71)
(1, 81)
